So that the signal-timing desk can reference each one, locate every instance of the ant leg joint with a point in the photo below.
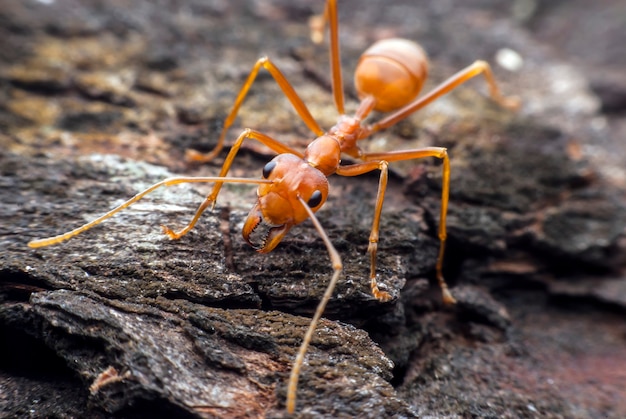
(481, 64)
(372, 248)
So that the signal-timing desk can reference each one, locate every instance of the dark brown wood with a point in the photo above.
(99, 102)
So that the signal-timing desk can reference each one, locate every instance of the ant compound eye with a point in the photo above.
(267, 170)
(315, 199)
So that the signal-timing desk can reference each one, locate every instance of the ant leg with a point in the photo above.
(337, 268)
(288, 91)
(440, 153)
(167, 182)
(275, 145)
(317, 24)
(335, 60)
(475, 69)
(359, 169)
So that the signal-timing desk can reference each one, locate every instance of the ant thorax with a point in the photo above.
(324, 153)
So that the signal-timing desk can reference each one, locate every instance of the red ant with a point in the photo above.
(388, 78)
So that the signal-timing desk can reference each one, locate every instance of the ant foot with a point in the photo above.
(171, 233)
(448, 299)
(316, 25)
(195, 156)
(512, 103)
(382, 296)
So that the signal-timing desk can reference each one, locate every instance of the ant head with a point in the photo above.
(278, 207)
(392, 71)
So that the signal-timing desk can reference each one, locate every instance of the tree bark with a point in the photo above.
(100, 101)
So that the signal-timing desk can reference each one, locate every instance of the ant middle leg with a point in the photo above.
(288, 91)
(359, 169)
(380, 161)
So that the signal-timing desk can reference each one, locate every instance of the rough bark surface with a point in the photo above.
(99, 100)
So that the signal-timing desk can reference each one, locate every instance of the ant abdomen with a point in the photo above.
(392, 71)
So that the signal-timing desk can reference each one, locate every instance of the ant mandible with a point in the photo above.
(388, 78)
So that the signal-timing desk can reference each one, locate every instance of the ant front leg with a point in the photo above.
(167, 182)
(288, 91)
(209, 201)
